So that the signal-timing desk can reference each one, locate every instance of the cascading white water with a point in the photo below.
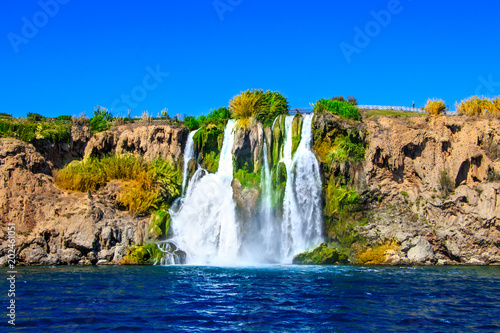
(188, 155)
(205, 226)
(269, 232)
(301, 227)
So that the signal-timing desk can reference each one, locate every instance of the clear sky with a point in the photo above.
(67, 56)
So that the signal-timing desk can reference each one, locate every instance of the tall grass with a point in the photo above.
(146, 186)
(435, 107)
(479, 106)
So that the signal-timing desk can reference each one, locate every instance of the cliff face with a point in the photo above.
(59, 227)
(429, 186)
(149, 141)
(432, 184)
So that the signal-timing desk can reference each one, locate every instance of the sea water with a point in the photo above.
(271, 298)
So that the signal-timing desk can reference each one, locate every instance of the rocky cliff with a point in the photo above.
(432, 185)
(427, 188)
(60, 227)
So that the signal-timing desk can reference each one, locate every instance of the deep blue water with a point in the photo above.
(256, 299)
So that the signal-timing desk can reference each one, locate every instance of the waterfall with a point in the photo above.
(269, 233)
(301, 226)
(188, 155)
(205, 226)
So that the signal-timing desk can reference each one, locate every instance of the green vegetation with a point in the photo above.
(341, 108)
(447, 184)
(159, 224)
(208, 142)
(247, 179)
(379, 113)
(350, 99)
(147, 254)
(296, 132)
(321, 255)
(479, 106)
(146, 186)
(35, 127)
(435, 107)
(101, 121)
(376, 255)
(263, 106)
(347, 150)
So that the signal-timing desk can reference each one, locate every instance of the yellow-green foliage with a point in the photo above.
(146, 186)
(245, 104)
(376, 255)
(147, 254)
(435, 107)
(322, 255)
(92, 173)
(159, 224)
(247, 179)
(479, 106)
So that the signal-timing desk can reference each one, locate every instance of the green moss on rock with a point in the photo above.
(296, 132)
(148, 254)
(321, 255)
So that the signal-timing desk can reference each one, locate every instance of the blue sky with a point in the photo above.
(67, 56)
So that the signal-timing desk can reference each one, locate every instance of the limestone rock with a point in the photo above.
(147, 140)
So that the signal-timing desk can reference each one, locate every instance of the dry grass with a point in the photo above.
(479, 106)
(435, 107)
(376, 255)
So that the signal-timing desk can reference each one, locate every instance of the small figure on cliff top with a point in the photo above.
(89, 194)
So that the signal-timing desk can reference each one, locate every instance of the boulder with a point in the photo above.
(321, 255)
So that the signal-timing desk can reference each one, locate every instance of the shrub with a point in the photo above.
(5, 115)
(147, 254)
(343, 109)
(264, 106)
(35, 117)
(346, 150)
(479, 106)
(192, 123)
(350, 99)
(28, 131)
(245, 104)
(447, 185)
(101, 120)
(435, 107)
(167, 177)
(147, 186)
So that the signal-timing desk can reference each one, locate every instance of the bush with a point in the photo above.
(350, 99)
(5, 115)
(28, 131)
(101, 120)
(264, 106)
(192, 123)
(435, 107)
(479, 106)
(343, 109)
(246, 104)
(147, 186)
(35, 117)
(63, 118)
(447, 185)
(346, 150)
